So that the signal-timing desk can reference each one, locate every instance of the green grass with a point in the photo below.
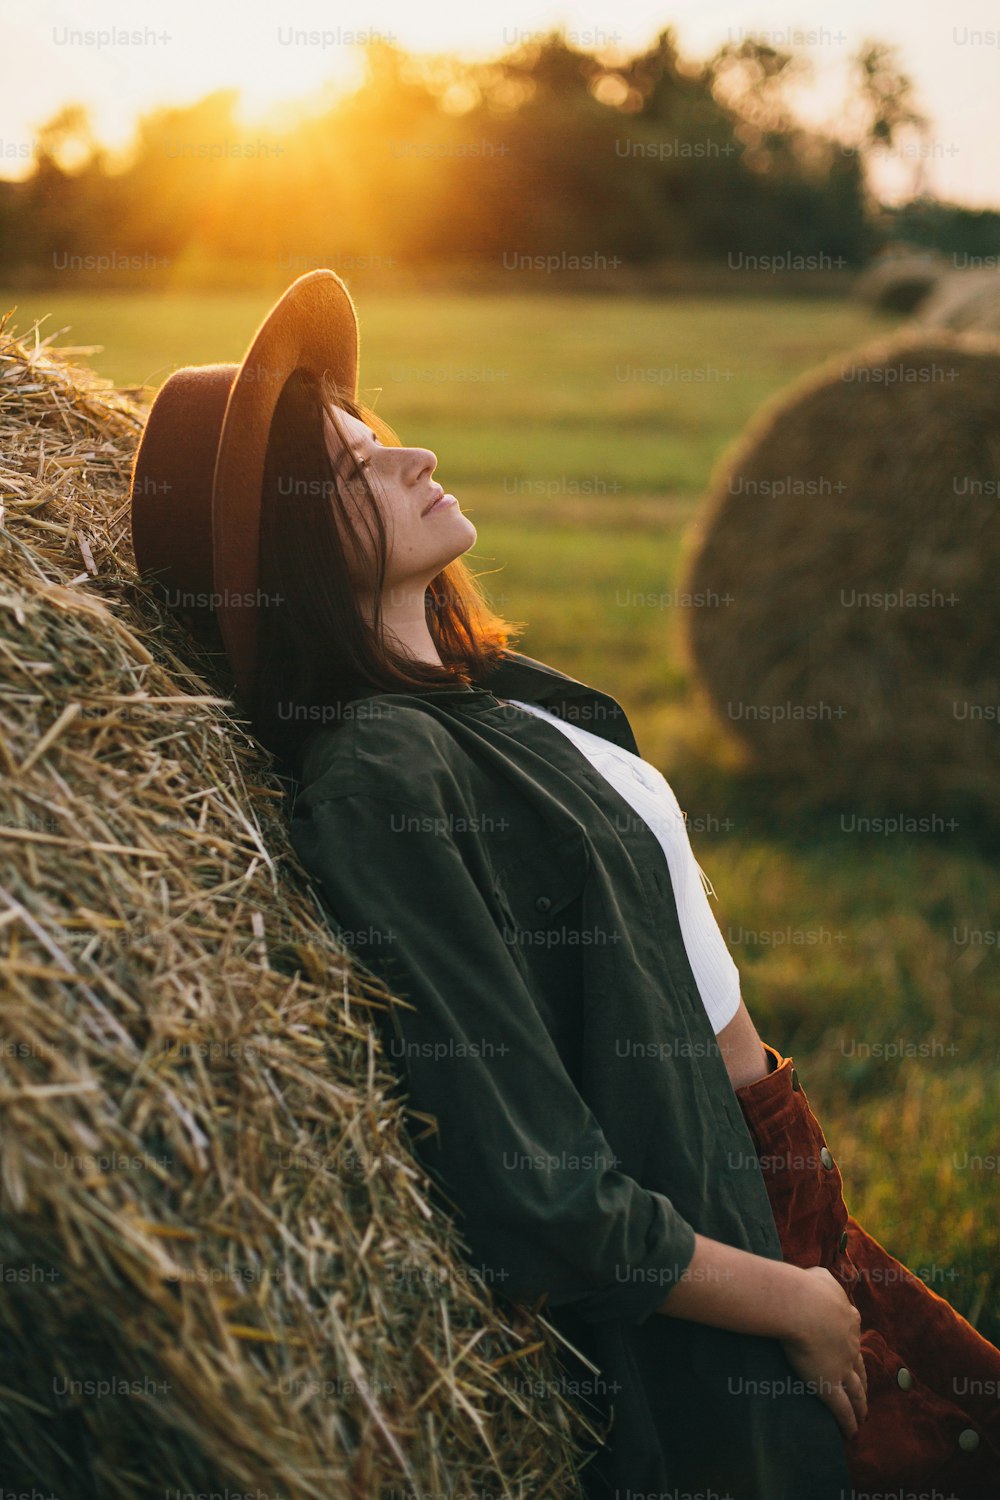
(523, 401)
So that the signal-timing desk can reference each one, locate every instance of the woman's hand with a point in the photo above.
(825, 1349)
(804, 1308)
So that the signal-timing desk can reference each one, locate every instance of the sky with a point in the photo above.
(300, 53)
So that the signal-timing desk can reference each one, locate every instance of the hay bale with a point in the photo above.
(900, 281)
(966, 301)
(853, 531)
(221, 1269)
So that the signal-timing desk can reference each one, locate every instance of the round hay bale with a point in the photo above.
(900, 281)
(224, 1267)
(845, 568)
(966, 301)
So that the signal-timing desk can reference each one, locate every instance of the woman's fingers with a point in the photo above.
(857, 1395)
(840, 1404)
(849, 1404)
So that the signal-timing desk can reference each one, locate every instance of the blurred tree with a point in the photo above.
(884, 109)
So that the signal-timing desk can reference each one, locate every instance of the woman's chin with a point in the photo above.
(463, 527)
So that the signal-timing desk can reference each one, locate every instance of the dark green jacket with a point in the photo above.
(471, 856)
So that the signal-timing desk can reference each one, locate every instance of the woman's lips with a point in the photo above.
(440, 503)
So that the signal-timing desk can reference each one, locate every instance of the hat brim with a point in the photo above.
(313, 326)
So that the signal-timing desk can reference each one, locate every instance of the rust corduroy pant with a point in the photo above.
(933, 1422)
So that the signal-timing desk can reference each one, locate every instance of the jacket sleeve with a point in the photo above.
(546, 1208)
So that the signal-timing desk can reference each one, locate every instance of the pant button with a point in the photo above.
(903, 1378)
(968, 1440)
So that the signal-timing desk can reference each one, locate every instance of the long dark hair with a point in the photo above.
(316, 649)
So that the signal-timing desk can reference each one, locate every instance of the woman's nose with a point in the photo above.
(425, 460)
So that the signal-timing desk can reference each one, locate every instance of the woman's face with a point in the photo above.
(425, 527)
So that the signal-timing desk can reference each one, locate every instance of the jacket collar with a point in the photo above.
(518, 676)
(515, 675)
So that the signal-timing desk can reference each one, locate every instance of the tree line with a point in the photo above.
(547, 157)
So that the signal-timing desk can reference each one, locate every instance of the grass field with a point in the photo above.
(579, 434)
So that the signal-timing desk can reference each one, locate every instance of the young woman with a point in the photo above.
(620, 1148)
(471, 819)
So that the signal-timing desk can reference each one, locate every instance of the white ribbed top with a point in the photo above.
(649, 794)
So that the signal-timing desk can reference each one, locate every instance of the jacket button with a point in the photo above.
(843, 1242)
(826, 1158)
(543, 903)
(903, 1378)
(795, 1081)
(968, 1440)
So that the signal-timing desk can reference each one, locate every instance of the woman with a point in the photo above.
(622, 1150)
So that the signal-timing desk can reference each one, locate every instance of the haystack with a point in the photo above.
(221, 1268)
(846, 560)
(967, 300)
(900, 281)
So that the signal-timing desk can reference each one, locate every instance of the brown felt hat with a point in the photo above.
(198, 471)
